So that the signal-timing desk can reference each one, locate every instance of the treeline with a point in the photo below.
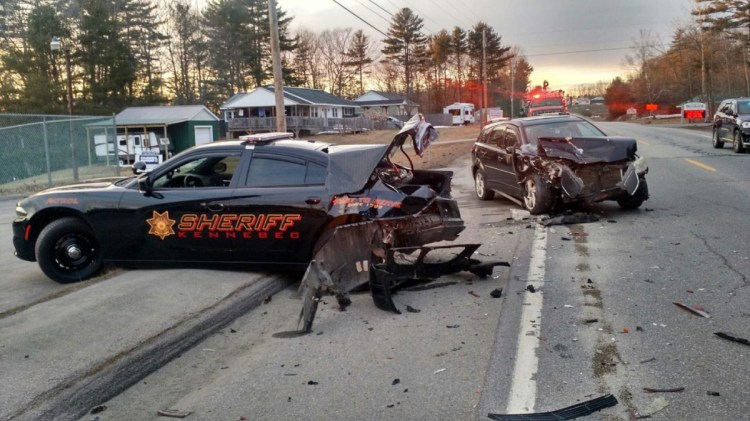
(158, 52)
(706, 61)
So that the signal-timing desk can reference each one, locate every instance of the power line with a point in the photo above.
(374, 12)
(358, 17)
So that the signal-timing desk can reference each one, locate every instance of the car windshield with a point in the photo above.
(561, 129)
(743, 107)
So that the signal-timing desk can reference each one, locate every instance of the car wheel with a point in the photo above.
(67, 251)
(716, 139)
(537, 196)
(480, 186)
(737, 145)
(636, 200)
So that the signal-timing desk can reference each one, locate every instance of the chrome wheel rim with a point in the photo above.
(479, 183)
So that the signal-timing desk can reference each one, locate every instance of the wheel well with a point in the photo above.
(43, 218)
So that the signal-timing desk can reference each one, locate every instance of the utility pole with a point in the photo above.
(278, 82)
(512, 85)
(484, 77)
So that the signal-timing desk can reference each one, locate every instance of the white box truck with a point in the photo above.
(128, 149)
(461, 112)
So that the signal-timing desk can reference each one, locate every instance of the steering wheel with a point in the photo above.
(192, 181)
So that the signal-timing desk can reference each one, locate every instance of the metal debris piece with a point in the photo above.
(693, 310)
(672, 390)
(572, 412)
(732, 338)
(172, 413)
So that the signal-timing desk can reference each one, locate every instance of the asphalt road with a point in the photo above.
(686, 244)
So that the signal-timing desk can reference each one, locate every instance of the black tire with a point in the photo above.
(67, 251)
(480, 186)
(636, 200)
(737, 145)
(537, 197)
(716, 139)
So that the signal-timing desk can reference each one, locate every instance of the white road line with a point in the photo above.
(523, 389)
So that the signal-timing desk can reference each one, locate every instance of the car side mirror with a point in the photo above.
(144, 184)
(139, 167)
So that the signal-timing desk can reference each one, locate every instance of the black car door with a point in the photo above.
(508, 146)
(184, 215)
(282, 205)
(489, 155)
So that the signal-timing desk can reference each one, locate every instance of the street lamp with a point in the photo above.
(56, 45)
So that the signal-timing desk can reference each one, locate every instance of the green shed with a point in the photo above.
(184, 125)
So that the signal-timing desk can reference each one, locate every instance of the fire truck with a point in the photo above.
(542, 101)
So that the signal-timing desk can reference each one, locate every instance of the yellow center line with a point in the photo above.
(701, 165)
(644, 142)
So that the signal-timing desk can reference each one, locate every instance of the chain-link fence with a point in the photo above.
(40, 151)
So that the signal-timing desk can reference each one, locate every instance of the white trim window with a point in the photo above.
(335, 112)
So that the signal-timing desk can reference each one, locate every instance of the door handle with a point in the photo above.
(312, 200)
(213, 207)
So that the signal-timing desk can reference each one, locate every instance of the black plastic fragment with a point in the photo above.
(570, 413)
(496, 293)
(531, 288)
(732, 338)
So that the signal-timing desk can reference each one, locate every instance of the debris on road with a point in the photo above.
(439, 371)
(576, 218)
(694, 310)
(712, 393)
(474, 294)
(732, 338)
(395, 382)
(672, 390)
(589, 321)
(572, 412)
(453, 326)
(98, 409)
(648, 360)
(172, 413)
(531, 288)
(496, 293)
(656, 405)
(410, 309)
(312, 383)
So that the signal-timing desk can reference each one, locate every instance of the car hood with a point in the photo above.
(350, 167)
(98, 185)
(587, 150)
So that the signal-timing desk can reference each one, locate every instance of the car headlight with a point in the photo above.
(746, 124)
(640, 166)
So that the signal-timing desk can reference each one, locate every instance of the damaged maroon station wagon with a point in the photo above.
(551, 161)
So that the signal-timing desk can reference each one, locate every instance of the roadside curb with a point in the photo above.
(73, 399)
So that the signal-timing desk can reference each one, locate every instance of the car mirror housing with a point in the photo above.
(139, 167)
(144, 184)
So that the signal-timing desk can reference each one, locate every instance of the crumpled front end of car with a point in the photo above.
(588, 169)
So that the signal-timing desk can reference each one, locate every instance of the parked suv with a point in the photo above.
(732, 124)
(550, 161)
